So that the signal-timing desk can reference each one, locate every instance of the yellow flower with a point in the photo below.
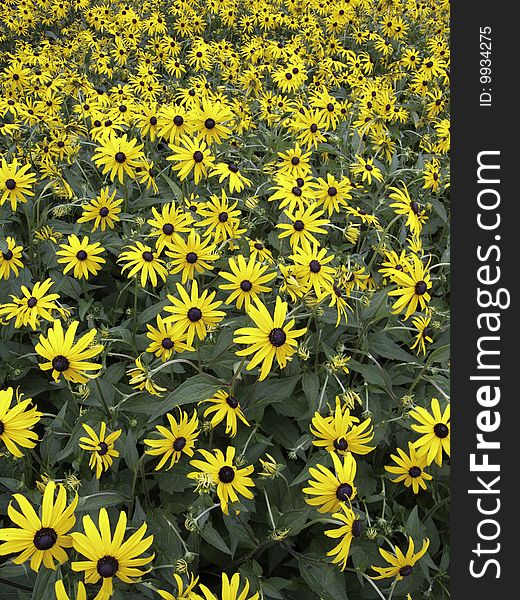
(100, 446)
(66, 357)
(40, 539)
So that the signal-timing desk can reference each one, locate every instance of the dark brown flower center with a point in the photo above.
(344, 492)
(246, 286)
(178, 120)
(357, 528)
(314, 128)
(209, 123)
(153, 121)
(31, 303)
(259, 246)
(299, 225)
(295, 160)
(81, 255)
(226, 474)
(10, 184)
(277, 337)
(7, 255)
(179, 444)
(441, 430)
(198, 157)
(420, 288)
(194, 314)
(406, 570)
(233, 168)
(341, 444)
(223, 217)
(296, 191)
(414, 471)
(232, 401)
(168, 229)
(103, 448)
(314, 266)
(120, 157)
(45, 538)
(103, 212)
(107, 566)
(60, 363)
(147, 256)
(191, 258)
(332, 191)
(167, 343)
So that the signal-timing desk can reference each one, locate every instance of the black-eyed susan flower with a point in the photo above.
(409, 468)
(230, 481)
(167, 224)
(172, 123)
(17, 422)
(295, 162)
(402, 565)
(272, 337)
(118, 156)
(10, 258)
(81, 256)
(232, 589)
(366, 169)
(225, 406)
(32, 306)
(108, 556)
(220, 218)
(435, 430)
(333, 193)
(305, 224)
(100, 446)
(40, 538)
(16, 182)
(341, 432)
(142, 379)
(190, 256)
(246, 281)
(231, 173)
(66, 357)
(211, 121)
(404, 205)
(142, 259)
(413, 283)
(259, 252)
(349, 528)
(103, 210)
(191, 154)
(329, 489)
(192, 314)
(163, 341)
(311, 267)
(423, 335)
(178, 439)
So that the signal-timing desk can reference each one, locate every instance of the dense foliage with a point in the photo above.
(224, 322)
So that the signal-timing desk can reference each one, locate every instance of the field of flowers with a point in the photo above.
(224, 299)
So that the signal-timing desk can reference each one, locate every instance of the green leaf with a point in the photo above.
(149, 314)
(382, 345)
(213, 537)
(325, 580)
(44, 586)
(193, 390)
(100, 500)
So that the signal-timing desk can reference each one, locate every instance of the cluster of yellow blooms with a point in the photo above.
(221, 191)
